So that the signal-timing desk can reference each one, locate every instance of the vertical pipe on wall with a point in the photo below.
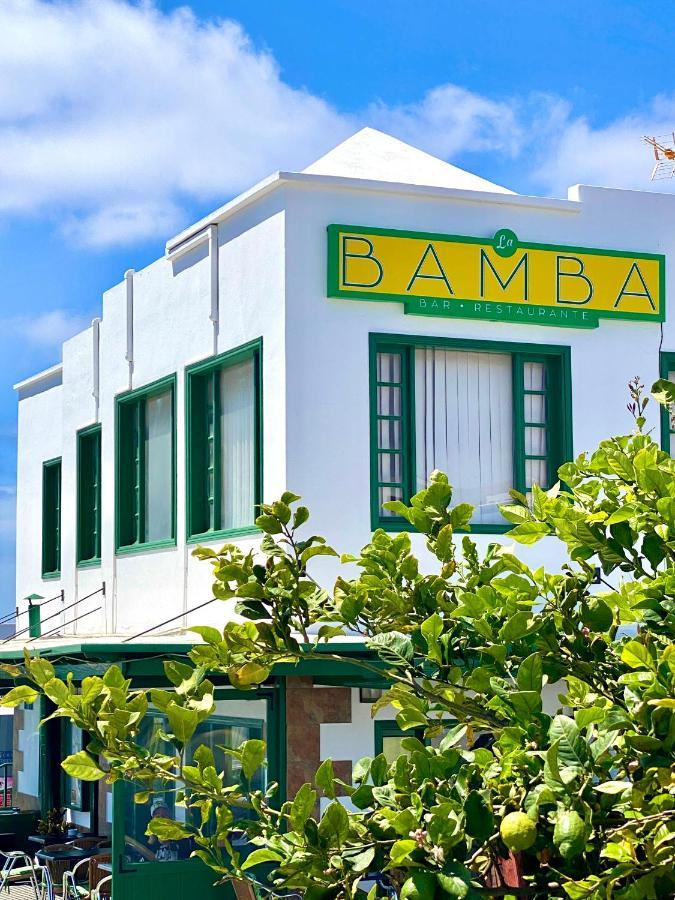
(215, 299)
(96, 364)
(129, 355)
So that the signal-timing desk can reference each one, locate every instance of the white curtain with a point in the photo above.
(158, 467)
(464, 425)
(237, 441)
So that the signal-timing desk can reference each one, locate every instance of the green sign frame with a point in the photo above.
(504, 243)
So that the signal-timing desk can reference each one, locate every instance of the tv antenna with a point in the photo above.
(664, 154)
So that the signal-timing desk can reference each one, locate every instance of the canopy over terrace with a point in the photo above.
(272, 712)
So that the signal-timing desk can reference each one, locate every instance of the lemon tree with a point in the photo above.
(540, 705)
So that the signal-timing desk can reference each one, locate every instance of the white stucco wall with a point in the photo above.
(327, 339)
(272, 284)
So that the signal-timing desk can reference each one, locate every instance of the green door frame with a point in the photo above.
(191, 877)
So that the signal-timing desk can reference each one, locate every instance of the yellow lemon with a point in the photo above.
(518, 831)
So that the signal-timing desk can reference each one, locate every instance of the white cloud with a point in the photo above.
(450, 119)
(47, 330)
(117, 113)
(116, 117)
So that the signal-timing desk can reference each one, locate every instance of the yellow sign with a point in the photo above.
(496, 278)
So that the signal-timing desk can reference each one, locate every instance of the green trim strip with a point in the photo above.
(666, 366)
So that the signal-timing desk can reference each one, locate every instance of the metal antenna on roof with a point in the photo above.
(664, 154)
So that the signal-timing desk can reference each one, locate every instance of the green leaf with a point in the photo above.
(530, 673)
(358, 860)
(334, 824)
(248, 675)
(663, 391)
(269, 524)
(302, 807)
(572, 747)
(432, 629)
(613, 787)
(317, 550)
(515, 627)
(444, 543)
(262, 855)
(83, 766)
(452, 885)
(410, 717)
(393, 647)
(182, 721)
(401, 850)
(209, 635)
(637, 656)
(479, 818)
(529, 532)
(324, 778)
(21, 694)
(168, 829)
(253, 754)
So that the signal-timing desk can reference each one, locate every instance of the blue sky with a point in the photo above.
(122, 122)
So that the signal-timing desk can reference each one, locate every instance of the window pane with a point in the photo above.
(534, 375)
(389, 434)
(391, 747)
(535, 442)
(535, 408)
(386, 494)
(158, 467)
(536, 472)
(389, 367)
(237, 441)
(233, 722)
(389, 401)
(389, 468)
(464, 425)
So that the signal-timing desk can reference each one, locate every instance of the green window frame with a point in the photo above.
(205, 449)
(51, 518)
(131, 485)
(666, 366)
(388, 728)
(401, 461)
(89, 496)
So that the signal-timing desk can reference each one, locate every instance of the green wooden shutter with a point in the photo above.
(51, 518)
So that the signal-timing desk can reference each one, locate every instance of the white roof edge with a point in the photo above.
(41, 376)
(303, 179)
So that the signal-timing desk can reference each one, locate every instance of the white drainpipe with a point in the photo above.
(129, 355)
(215, 300)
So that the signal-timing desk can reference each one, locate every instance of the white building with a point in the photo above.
(248, 360)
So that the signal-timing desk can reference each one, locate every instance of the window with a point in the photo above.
(224, 443)
(89, 496)
(219, 731)
(74, 793)
(51, 519)
(493, 416)
(667, 370)
(146, 467)
(388, 737)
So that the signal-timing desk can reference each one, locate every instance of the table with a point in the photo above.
(63, 839)
(106, 867)
(71, 853)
